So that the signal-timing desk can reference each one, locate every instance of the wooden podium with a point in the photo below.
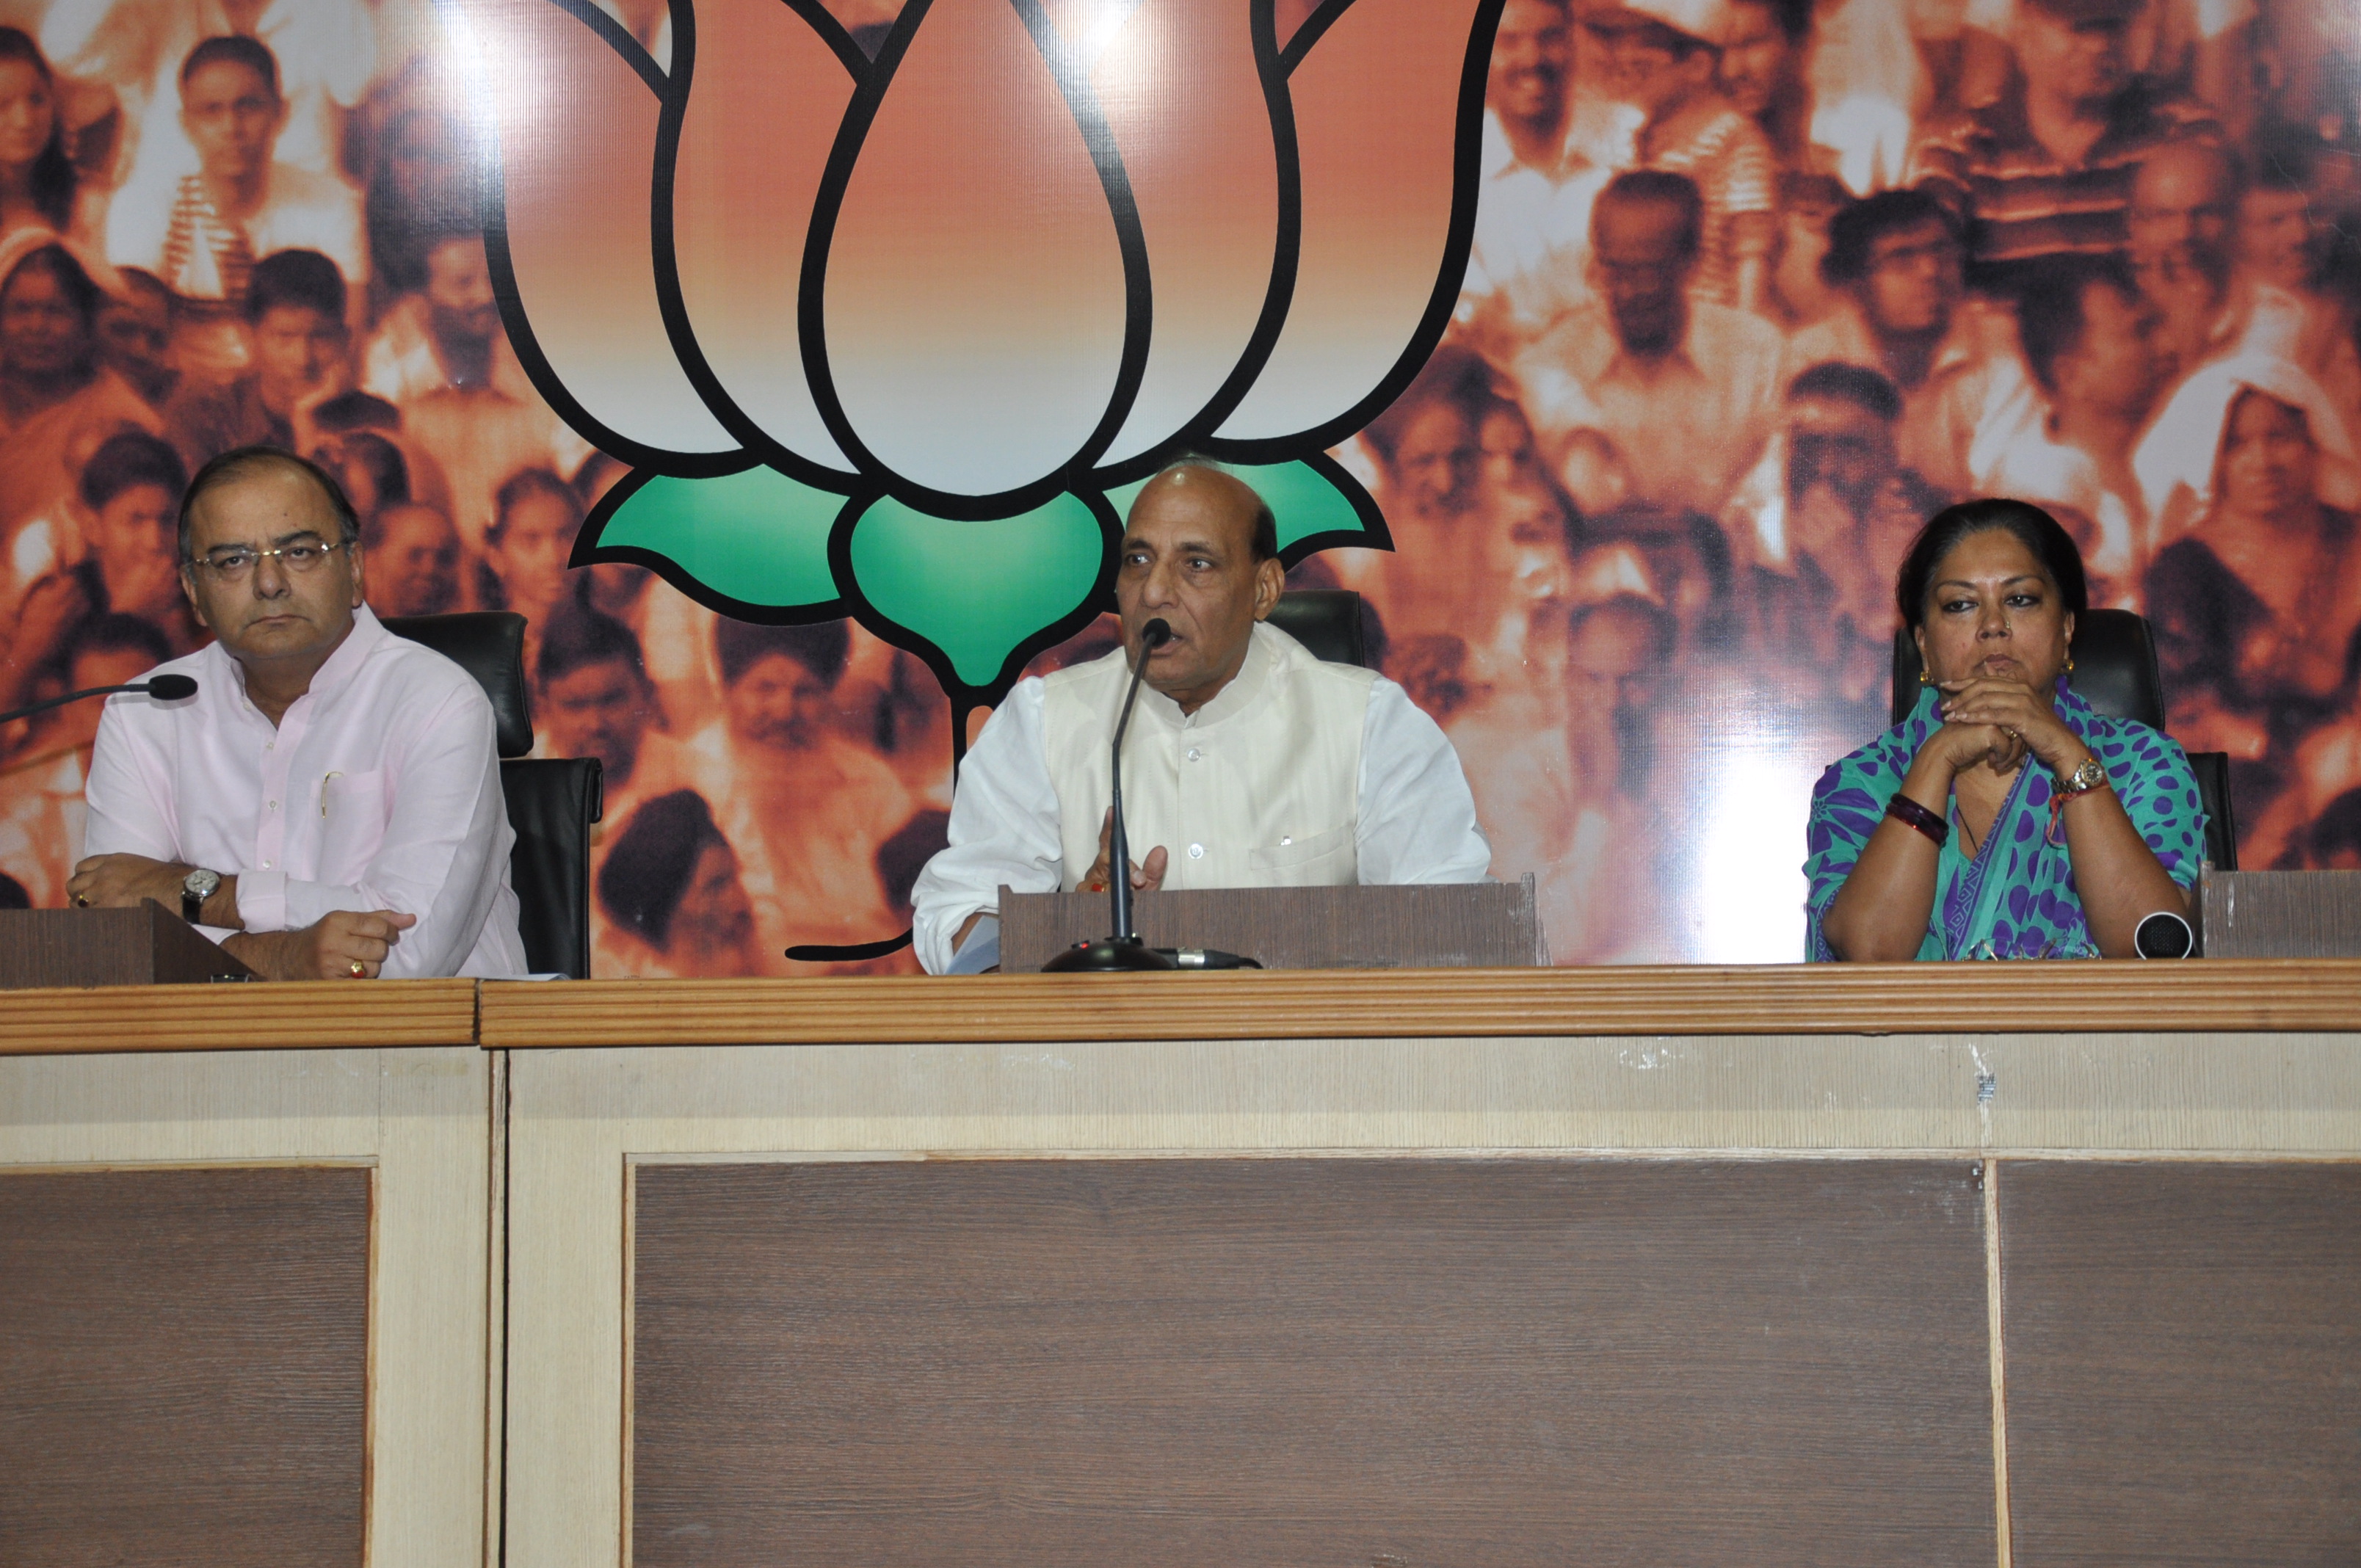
(1482, 925)
(80, 947)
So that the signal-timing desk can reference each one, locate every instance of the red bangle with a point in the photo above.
(1902, 809)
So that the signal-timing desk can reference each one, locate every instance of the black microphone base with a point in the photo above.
(1108, 955)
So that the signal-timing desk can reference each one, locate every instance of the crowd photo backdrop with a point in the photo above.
(789, 365)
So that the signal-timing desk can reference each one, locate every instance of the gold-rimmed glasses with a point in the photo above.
(302, 555)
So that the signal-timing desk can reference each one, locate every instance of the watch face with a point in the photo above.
(201, 883)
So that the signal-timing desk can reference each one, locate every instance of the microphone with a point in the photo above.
(1124, 950)
(163, 688)
(2163, 935)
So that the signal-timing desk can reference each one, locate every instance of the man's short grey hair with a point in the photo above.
(1265, 545)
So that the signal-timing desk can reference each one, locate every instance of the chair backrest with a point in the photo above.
(552, 803)
(1328, 621)
(488, 645)
(2212, 771)
(2114, 668)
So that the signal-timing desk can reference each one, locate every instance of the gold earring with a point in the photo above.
(2069, 663)
(1921, 676)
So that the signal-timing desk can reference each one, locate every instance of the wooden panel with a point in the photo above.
(147, 945)
(581, 1118)
(1313, 1362)
(421, 1119)
(183, 1364)
(2125, 997)
(322, 1015)
(2281, 915)
(2185, 1362)
(1448, 925)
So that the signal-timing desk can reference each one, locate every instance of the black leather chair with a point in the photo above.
(2115, 672)
(550, 802)
(1328, 621)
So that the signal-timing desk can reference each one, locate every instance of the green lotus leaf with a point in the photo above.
(754, 538)
(1317, 503)
(979, 593)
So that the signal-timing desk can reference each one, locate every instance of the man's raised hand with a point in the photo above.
(1147, 875)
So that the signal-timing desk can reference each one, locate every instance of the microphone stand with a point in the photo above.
(1124, 951)
(175, 687)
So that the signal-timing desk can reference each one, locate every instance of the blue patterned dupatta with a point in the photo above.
(2015, 898)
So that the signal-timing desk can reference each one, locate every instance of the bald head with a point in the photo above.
(1200, 553)
(1225, 492)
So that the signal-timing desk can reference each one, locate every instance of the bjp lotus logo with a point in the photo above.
(898, 337)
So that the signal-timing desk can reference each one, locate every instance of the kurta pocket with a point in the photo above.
(1306, 859)
(355, 814)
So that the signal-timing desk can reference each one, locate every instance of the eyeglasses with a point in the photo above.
(303, 556)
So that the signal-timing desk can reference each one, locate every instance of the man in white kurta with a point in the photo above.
(1248, 763)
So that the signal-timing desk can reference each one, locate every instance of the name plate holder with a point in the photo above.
(1437, 925)
(2279, 914)
(81, 948)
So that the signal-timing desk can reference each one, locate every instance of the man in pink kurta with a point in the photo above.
(328, 804)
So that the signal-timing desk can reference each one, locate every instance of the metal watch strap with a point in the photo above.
(2090, 775)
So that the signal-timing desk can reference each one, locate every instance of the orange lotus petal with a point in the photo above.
(577, 133)
(765, 98)
(975, 289)
(1178, 84)
(1376, 105)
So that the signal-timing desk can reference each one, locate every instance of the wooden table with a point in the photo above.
(1978, 1263)
(1925, 1264)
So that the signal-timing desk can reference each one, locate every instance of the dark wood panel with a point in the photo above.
(146, 946)
(2281, 915)
(1318, 1361)
(2185, 1362)
(1432, 926)
(183, 1365)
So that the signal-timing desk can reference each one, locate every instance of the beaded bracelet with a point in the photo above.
(1902, 809)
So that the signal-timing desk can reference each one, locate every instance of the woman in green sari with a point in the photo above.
(2003, 818)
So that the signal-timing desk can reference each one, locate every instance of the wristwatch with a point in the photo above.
(195, 888)
(2091, 776)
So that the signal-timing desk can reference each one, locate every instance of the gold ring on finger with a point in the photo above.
(358, 969)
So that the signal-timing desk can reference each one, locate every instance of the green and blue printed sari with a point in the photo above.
(2015, 898)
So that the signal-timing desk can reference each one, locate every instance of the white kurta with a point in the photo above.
(1296, 774)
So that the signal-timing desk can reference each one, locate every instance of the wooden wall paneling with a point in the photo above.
(1310, 1362)
(580, 1119)
(184, 1366)
(2182, 1342)
(420, 1117)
